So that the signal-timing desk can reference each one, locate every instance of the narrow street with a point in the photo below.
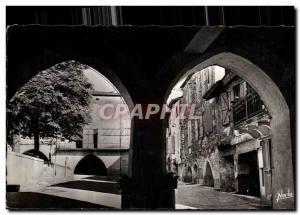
(102, 193)
(200, 197)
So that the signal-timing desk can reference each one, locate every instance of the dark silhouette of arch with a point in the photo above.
(195, 168)
(37, 154)
(187, 175)
(90, 165)
(195, 175)
(208, 178)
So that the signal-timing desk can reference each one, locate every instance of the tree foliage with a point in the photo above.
(55, 103)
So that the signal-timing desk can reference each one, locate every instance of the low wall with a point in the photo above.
(32, 174)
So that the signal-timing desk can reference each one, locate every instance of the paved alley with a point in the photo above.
(201, 197)
(102, 193)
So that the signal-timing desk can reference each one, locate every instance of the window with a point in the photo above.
(250, 90)
(95, 138)
(243, 89)
(236, 92)
(78, 144)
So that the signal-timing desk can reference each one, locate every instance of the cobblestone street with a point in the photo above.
(200, 197)
(103, 194)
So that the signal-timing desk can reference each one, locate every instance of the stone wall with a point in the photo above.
(32, 173)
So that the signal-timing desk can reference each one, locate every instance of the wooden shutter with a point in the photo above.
(225, 108)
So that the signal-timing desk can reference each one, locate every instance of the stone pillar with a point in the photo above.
(236, 171)
(148, 165)
(283, 192)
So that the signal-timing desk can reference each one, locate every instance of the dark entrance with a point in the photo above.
(187, 177)
(195, 178)
(208, 178)
(90, 165)
(248, 178)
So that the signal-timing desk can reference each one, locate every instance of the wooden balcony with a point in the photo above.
(247, 107)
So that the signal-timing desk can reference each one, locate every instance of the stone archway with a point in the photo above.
(208, 176)
(149, 154)
(282, 172)
(93, 64)
(90, 165)
(187, 175)
(195, 174)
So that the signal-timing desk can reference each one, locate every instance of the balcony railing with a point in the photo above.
(246, 107)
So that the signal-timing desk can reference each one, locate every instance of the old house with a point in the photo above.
(228, 145)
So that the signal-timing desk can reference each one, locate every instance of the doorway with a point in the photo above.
(248, 178)
(208, 178)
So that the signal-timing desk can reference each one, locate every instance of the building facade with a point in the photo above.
(227, 146)
(105, 141)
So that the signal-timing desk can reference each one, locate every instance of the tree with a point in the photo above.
(55, 103)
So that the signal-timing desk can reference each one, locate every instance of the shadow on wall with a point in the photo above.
(36, 154)
(90, 165)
